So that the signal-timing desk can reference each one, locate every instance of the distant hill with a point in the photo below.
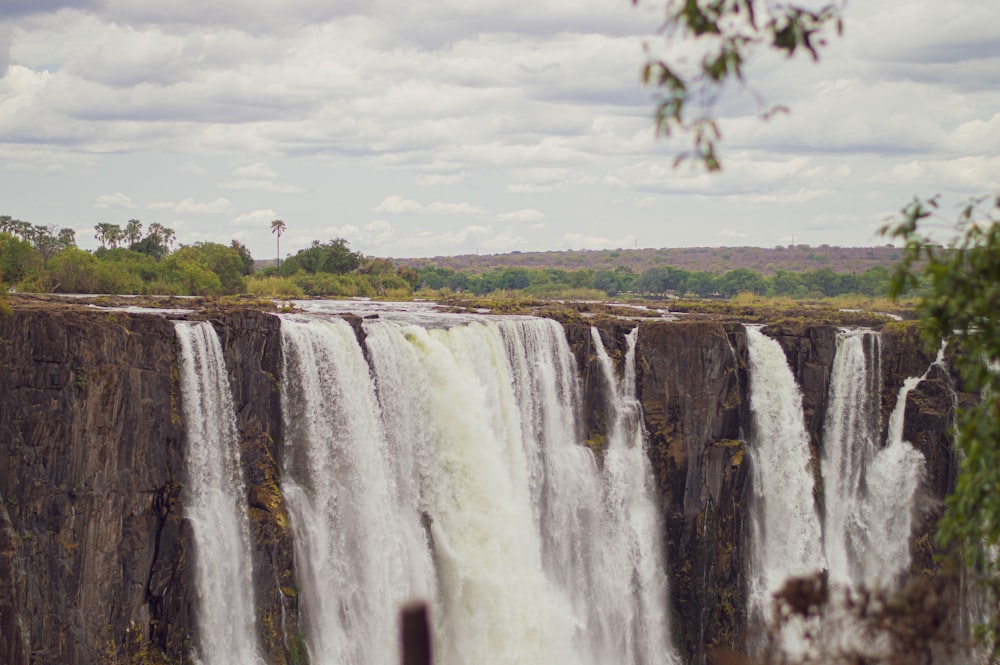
(766, 261)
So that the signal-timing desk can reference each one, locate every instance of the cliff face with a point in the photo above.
(92, 544)
(94, 547)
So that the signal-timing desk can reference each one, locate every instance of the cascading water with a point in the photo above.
(216, 503)
(850, 442)
(352, 565)
(785, 530)
(452, 469)
(870, 489)
(633, 518)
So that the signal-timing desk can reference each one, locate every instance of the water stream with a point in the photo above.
(216, 503)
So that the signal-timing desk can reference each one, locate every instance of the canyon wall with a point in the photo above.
(95, 552)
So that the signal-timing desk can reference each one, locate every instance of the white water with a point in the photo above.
(785, 530)
(850, 441)
(351, 562)
(633, 518)
(453, 470)
(870, 490)
(216, 503)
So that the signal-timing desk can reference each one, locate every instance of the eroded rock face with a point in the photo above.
(693, 390)
(94, 547)
(93, 542)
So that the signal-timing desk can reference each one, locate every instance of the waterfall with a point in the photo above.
(870, 489)
(785, 531)
(350, 559)
(216, 503)
(447, 463)
(632, 514)
(894, 478)
(850, 441)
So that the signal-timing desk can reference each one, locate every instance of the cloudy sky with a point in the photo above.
(429, 127)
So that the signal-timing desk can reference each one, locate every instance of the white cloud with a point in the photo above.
(375, 234)
(117, 200)
(256, 171)
(964, 174)
(189, 206)
(441, 208)
(581, 241)
(261, 218)
(522, 215)
(397, 205)
(261, 186)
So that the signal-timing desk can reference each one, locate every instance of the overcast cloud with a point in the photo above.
(425, 128)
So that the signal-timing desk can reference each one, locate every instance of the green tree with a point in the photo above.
(157, 242)
(17, 258)
(334, 257)
(959, 305)
(224, 262)
(133, 232)
(108, 234)
(245, 256)
(277, 228)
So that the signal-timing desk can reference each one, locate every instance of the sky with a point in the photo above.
(438, 127)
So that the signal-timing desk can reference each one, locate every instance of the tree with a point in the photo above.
(959, 305)
(108, 234)
(334, 257)
(730, 30)
(245, 256)
(46, 242)
(224, 262)
(278, 227)
(157, 241)
(133, 232)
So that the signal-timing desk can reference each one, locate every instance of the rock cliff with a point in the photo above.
(94, 547)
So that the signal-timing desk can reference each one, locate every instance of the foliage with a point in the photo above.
(273, 286)
(334, 257)
(730, 31)
(245, 257)
(224, 262)
(960, 299)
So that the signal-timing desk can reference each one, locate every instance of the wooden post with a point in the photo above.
(415, 634)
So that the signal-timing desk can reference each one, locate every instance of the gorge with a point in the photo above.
(588, 491)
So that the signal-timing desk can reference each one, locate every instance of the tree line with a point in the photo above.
(660, 281)
(137, 259)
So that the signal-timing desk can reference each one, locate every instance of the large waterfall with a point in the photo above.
(447, 463)
(216, 503)
(785, 528)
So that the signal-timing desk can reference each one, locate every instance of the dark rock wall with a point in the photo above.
(692, 383)
(94, 549)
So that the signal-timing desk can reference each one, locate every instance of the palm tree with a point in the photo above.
(133, 231)
(278, 227)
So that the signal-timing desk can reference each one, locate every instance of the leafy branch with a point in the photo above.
(732, 30)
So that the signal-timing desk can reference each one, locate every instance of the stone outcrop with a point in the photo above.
(95, 550)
